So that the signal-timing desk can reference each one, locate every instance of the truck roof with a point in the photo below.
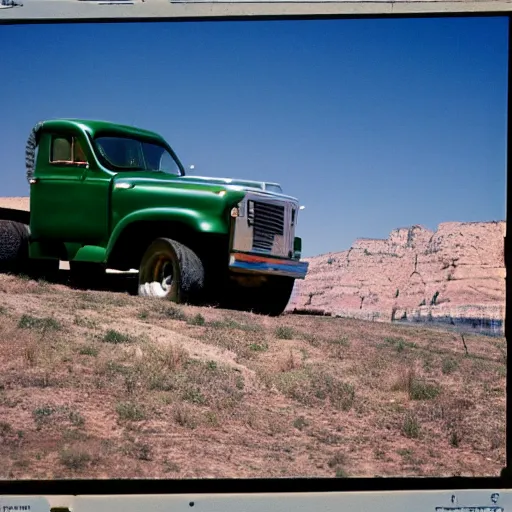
(93, 127)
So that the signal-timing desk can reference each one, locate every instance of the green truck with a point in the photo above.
(105, 195)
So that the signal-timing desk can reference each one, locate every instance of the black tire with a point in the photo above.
(86, 274)
(173, 271)
(269, 299)
(277, 296)
(14, 237)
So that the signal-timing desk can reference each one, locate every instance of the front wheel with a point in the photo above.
(172, 271)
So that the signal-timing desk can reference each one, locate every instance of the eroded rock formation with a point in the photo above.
(454, 274)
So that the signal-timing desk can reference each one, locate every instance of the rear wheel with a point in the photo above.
(172, 271)
(14, 238)
(14, 253)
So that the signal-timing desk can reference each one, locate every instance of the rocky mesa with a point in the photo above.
(455, 274)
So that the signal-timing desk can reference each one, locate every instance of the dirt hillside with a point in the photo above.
(456, 272)
(105, 384)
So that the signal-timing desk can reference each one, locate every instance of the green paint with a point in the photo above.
(297, 247)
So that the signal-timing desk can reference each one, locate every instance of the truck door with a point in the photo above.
(69, 200)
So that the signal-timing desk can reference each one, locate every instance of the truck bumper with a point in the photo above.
(264, 265)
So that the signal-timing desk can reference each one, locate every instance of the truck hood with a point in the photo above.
(249, 184)
(203, 182)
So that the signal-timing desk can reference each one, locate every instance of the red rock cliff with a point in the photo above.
(457, 270)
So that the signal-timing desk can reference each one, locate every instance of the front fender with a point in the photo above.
(198, 221)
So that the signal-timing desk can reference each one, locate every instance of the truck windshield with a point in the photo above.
(126, 154)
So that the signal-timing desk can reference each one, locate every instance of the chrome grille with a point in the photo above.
(267, 221)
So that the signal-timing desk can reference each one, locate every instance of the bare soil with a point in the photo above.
(104, 384)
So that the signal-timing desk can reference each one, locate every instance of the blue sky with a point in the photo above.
(373, 124)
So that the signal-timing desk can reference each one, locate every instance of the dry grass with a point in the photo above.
(98, 384)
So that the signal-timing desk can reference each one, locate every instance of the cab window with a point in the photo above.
(67, 150)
